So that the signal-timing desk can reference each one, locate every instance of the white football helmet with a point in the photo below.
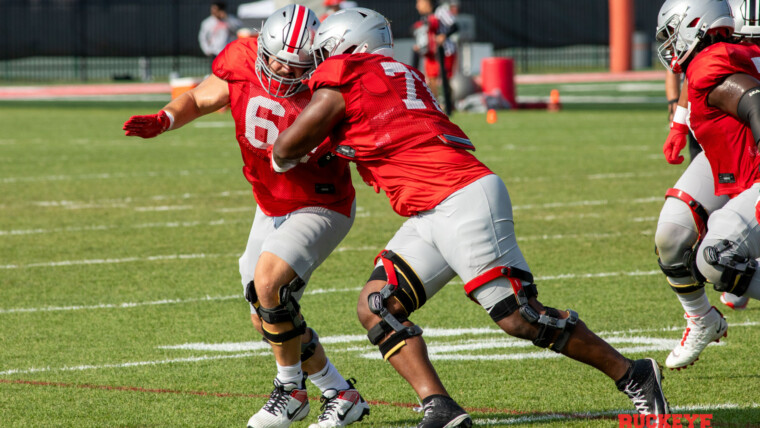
(746, 18)
(354, 30)
(287, 36)
(682, 24)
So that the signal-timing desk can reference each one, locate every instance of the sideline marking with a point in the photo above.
(126, 305)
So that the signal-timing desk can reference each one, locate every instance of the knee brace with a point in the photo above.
(698, 212)
(309, 348)
(251, 297)
(737, 270)
(688, 267)
(287, 311)
(404, 286)
(549, 323)
(512, 303)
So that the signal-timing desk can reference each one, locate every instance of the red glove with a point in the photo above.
(757, 210)
(676, 140)
(147, 126)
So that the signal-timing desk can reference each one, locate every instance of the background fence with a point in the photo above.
(97, 40)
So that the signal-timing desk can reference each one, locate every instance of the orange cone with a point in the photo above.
(491, 116)
(553, 101)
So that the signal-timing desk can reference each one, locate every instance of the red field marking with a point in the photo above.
(483, 410)
(480, 410)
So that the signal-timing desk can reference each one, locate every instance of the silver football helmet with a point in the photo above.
(746, 18)
(354, 30)
(682, 24)
(287, 36)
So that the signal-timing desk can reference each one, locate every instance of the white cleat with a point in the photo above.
(734, 302)
(286, 404)
(341, 408)
(700, 331)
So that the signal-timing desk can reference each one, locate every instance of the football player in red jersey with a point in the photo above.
(379, 113)
(300, 217)
(722, 250)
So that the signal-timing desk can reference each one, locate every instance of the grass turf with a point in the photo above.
(116, 250)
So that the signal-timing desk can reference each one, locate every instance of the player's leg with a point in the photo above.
(728, 256)
(406, 275)
(483, 250)
(288, 255)
(683, 219)
(432, 74)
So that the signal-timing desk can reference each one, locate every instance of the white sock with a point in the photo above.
(328, 378)
(290, 374)
(696, 303)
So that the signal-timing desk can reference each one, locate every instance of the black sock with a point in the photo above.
(623, 380)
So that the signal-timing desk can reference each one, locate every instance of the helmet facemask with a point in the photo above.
(286, 38)
(276, 85)
(673, 51)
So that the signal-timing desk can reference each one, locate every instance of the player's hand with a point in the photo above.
(675, 142)
(757, 210)
(147, 126)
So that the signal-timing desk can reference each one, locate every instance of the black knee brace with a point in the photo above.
(309, 348)
(287, 311)
(549, 324)
(512, 303)
(403, 285)
(737, 270)
(688, 267)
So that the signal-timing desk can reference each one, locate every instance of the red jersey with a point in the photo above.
(259, 119)
(430, 25)
(727, 141)
(396, 133)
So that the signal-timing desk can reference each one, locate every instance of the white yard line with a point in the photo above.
(438, 350)
(115, 175)
(456, 281)
(166, 225)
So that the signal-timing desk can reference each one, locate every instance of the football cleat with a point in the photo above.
(734, 302)
(444, 412)
(341, 408)
(644, 387)
(700, 331)
(287, 403)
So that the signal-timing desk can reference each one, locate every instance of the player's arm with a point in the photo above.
(326, 108)
(739, 95)
(672, 92)
(210, 95)
(679, 131)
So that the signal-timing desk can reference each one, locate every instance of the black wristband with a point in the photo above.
(673, 101)
(748, 110)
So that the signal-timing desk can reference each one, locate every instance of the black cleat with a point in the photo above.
(443, 412)
(643, 386)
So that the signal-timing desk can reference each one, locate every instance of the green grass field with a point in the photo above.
(121, 306)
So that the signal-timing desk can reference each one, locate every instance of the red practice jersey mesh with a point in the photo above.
(394, 131)
(727, 141)
(259, 119)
